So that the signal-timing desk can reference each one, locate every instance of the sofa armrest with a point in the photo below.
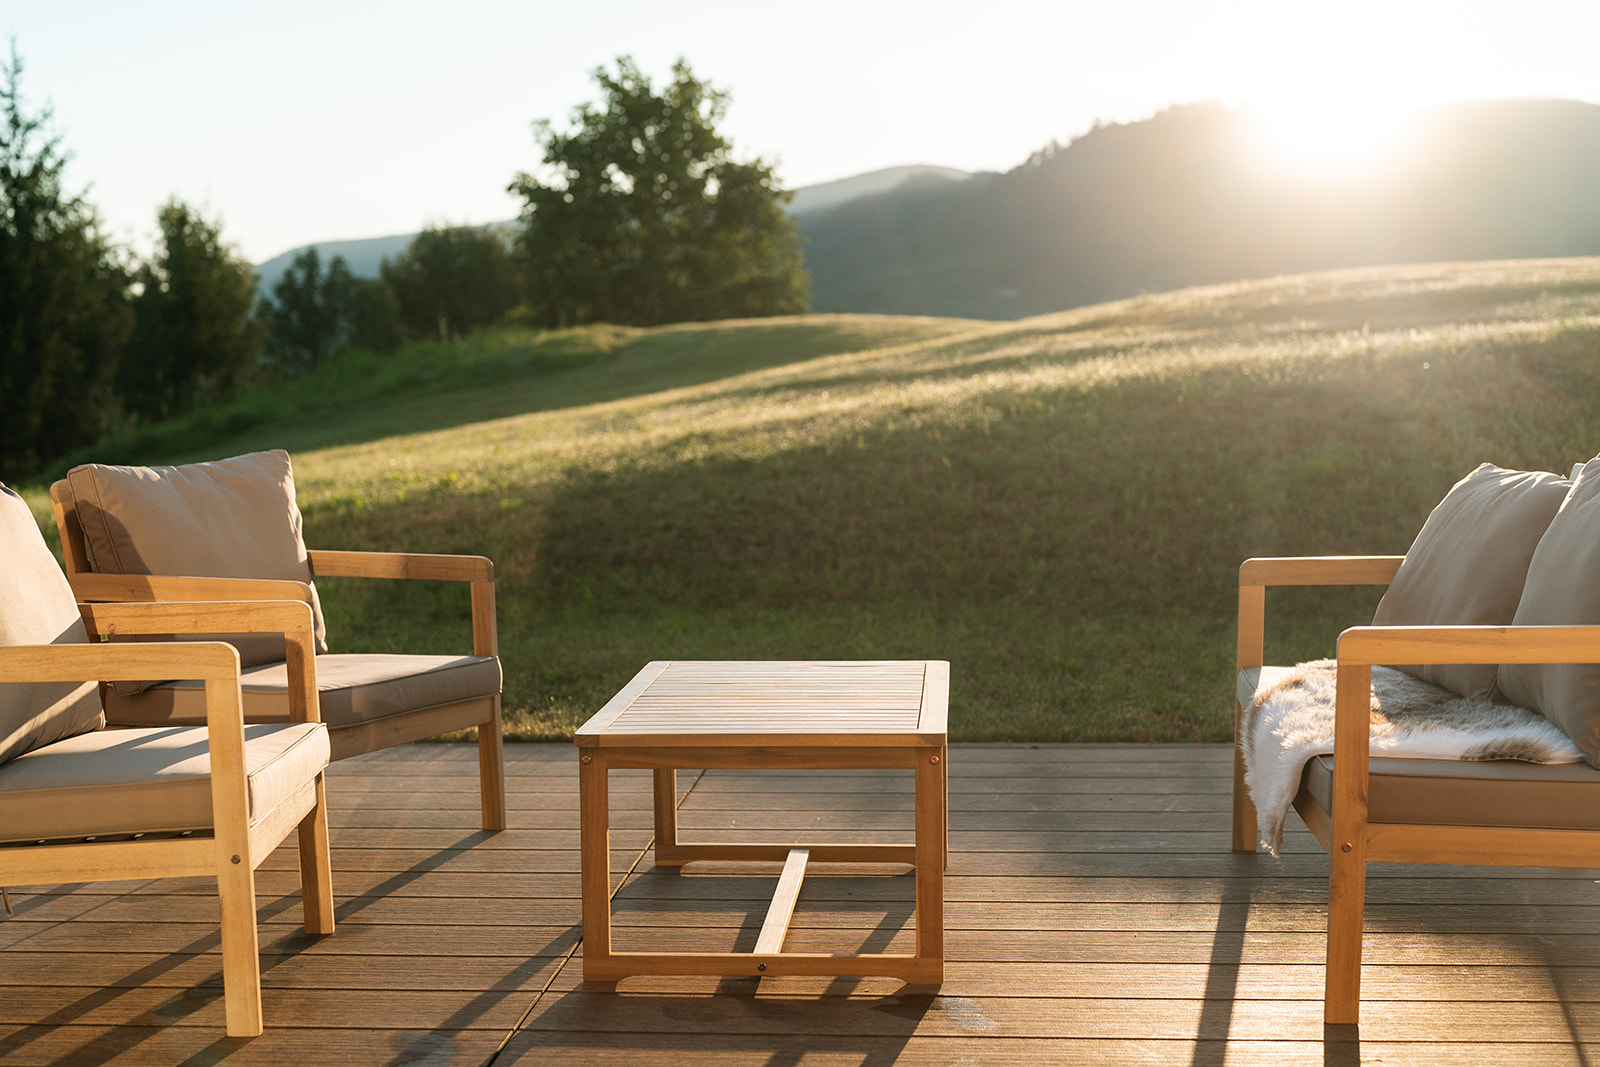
(288, 617)
(144, 588)
(1256, 574)
(425, 566)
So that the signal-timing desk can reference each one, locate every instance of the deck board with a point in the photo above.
(1094, 913)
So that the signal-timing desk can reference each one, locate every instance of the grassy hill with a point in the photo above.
(1057, 505)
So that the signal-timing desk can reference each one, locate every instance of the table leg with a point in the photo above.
(931, 839)
(666, 808)
(594, 858)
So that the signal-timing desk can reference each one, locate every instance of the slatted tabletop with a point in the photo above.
(766, 703)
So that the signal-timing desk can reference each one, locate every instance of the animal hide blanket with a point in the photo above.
(1291, 722)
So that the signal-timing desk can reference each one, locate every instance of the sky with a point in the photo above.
(297, 121)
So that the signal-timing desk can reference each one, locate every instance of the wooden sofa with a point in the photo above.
(81, 803)
(1364, 809)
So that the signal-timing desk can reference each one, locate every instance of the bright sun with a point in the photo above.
(1330, 138)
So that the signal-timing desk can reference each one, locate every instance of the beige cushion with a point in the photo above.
(37, 608)
(231, 518)
(147, 781)
(1468, 564)
(1563, 589)
(1464, 793)
(351, 688)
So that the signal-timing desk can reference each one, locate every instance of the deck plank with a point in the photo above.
(1094, 912)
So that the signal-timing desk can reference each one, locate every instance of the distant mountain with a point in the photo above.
(365, 255)
(362, 256)
(827, 195)
(1182, 199)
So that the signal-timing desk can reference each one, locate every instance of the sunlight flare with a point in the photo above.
(1331, 137)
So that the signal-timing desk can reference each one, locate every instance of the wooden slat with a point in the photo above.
(783, 901)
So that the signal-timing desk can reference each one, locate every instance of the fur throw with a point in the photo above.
(1291, 722)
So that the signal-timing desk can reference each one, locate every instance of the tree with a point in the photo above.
(647, 218)
(64, 315)
(193, 335)
(453, 280)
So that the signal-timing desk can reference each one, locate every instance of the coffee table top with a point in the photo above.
(838, 702)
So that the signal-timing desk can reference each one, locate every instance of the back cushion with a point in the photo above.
(37, 608)
(1468, 565)
(1563, 589)
(231, 518)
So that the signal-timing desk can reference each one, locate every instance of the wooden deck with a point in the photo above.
(1094, 915)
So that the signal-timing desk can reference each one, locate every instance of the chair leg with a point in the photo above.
(1245, 832)
(241, 950)
(316, 868)
(1347, 886)
(492, 769)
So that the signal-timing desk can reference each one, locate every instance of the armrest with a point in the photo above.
(1258, 573)
(133, 588)
(1319, 570)
(420, 565)
(288, 617)
(478, 570)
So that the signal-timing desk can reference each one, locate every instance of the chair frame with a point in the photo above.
(481, 713)
(1349, 837)
(237, 845)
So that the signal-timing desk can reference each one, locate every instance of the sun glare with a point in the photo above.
(1329, 138)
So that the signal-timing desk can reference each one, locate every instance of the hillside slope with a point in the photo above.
(1058, 506)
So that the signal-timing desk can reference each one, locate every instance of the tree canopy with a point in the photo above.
(193, 335)
(647, 218)
(452, 280)
(64, 314)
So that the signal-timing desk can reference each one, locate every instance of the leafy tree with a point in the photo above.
(647, 218)
(64, 314)
(314, 313)
(453, 280)
(193, 335)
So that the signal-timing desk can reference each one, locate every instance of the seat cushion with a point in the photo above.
(37, 608)
(1563, 589)
(1468, 564)
(1462, 793)
(231, 518)
(351, 688)
(147, 781)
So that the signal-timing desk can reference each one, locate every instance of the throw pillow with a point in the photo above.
(1468, 564)
(1563, 589)
(230, 518)
(37, 608)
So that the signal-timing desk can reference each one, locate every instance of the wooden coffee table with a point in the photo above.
(769, 715)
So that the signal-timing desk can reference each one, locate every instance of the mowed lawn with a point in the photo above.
(1058, 506)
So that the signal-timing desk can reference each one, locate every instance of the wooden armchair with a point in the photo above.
(230, 530)
(1365, 809)
(82, 803)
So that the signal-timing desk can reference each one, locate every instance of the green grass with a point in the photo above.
(1058, 506)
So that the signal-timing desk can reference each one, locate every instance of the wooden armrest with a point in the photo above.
(419, 565)
(1369, 645)
(133, 588)
(1256, 574)
(207, 660)
(1319, 570)
(288, 617)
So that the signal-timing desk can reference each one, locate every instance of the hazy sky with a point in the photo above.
(301, 121)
